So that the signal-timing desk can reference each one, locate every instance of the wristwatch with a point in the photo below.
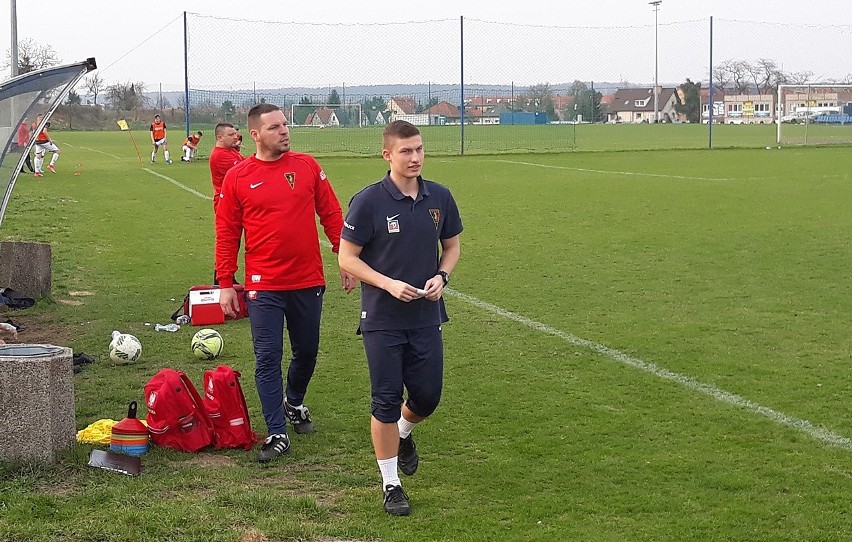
(445, 276)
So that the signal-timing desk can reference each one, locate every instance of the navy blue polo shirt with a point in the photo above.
(399, 237)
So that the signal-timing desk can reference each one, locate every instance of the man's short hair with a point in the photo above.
(258, 110)
(156, 116)
(398, 129)
(198, 133)
(220, 128)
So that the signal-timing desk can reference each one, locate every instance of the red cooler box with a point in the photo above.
(204, 309)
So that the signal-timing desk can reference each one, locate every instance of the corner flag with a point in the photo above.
(122, 124)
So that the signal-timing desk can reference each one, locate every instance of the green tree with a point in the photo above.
(588, 105)
(578, 87)
(539, 99)
(333, 97)
(74, 98)
(374, 106)
(691, 106)
(228, 109)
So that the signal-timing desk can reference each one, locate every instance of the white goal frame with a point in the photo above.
(356, 106)
(808, 88)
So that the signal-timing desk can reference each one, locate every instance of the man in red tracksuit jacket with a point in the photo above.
(274, 197)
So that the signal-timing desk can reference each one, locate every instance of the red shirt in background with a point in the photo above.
(221, 160)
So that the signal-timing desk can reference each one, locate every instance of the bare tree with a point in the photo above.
(732, 74)
(127, 96)
(32, 56)
(94, 84)
(799, 78)
(766, 76)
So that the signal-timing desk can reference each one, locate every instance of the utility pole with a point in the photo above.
(656, 4)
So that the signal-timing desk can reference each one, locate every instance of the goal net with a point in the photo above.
(814, 114)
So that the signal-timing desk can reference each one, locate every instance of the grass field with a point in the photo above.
(643, 346)
(447, 140)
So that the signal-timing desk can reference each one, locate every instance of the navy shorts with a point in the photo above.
(409, 358)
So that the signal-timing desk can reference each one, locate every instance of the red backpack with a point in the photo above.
(226, 405)
(176, 415)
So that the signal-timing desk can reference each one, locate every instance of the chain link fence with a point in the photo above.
(479, 86)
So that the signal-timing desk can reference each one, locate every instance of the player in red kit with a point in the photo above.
(224, 156)
(273, 198)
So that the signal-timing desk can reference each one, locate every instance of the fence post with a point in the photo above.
(186, 73)
(710, 104)
(461, 108)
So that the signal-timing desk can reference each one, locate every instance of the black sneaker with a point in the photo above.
(299, 417)
(396, 501)
(407, 459)
(274, 446)
(82, 359)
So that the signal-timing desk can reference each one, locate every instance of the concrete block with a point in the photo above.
(37, 421)
(26, 267)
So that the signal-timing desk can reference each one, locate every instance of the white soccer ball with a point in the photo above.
(125, 348)
(768, 148)
(207, 344)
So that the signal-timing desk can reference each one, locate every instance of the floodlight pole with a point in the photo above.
(13, 51)
(656, 4)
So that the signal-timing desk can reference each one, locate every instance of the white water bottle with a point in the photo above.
(168, 327)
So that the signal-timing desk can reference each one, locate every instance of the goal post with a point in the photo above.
(814, 114)
(326, 115)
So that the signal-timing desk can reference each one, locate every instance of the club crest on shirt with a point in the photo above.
(291, 178)
(393, 223)
(436, 216)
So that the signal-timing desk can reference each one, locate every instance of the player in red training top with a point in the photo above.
(158, 139)
(22, 141)
(224, 156)
(274, 197)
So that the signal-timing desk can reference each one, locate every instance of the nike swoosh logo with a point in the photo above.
(255, 185)
(391, 217)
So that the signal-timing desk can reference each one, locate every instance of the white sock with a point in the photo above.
(55, 158)
(38, 163)
(166, 154)
(153, 156)
(390, 477)
(404, 427)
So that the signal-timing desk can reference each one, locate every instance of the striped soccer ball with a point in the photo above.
(125, 348)
(207, 344)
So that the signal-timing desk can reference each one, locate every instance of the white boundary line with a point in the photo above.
(95, 150)
(824, 435)
(631, 173)
(179, 185)
(821, 434)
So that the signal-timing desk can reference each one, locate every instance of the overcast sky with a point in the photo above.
(115, 32)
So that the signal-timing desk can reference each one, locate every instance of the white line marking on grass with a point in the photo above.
(179, 185)
(819, 433)
(96, 150)
(633, 173)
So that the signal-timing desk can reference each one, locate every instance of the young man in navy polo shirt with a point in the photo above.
(390, 243)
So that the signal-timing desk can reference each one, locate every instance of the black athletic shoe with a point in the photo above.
(82, 359)
(299, 417)
(407, 459)
(274, 446)
(396, 501)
